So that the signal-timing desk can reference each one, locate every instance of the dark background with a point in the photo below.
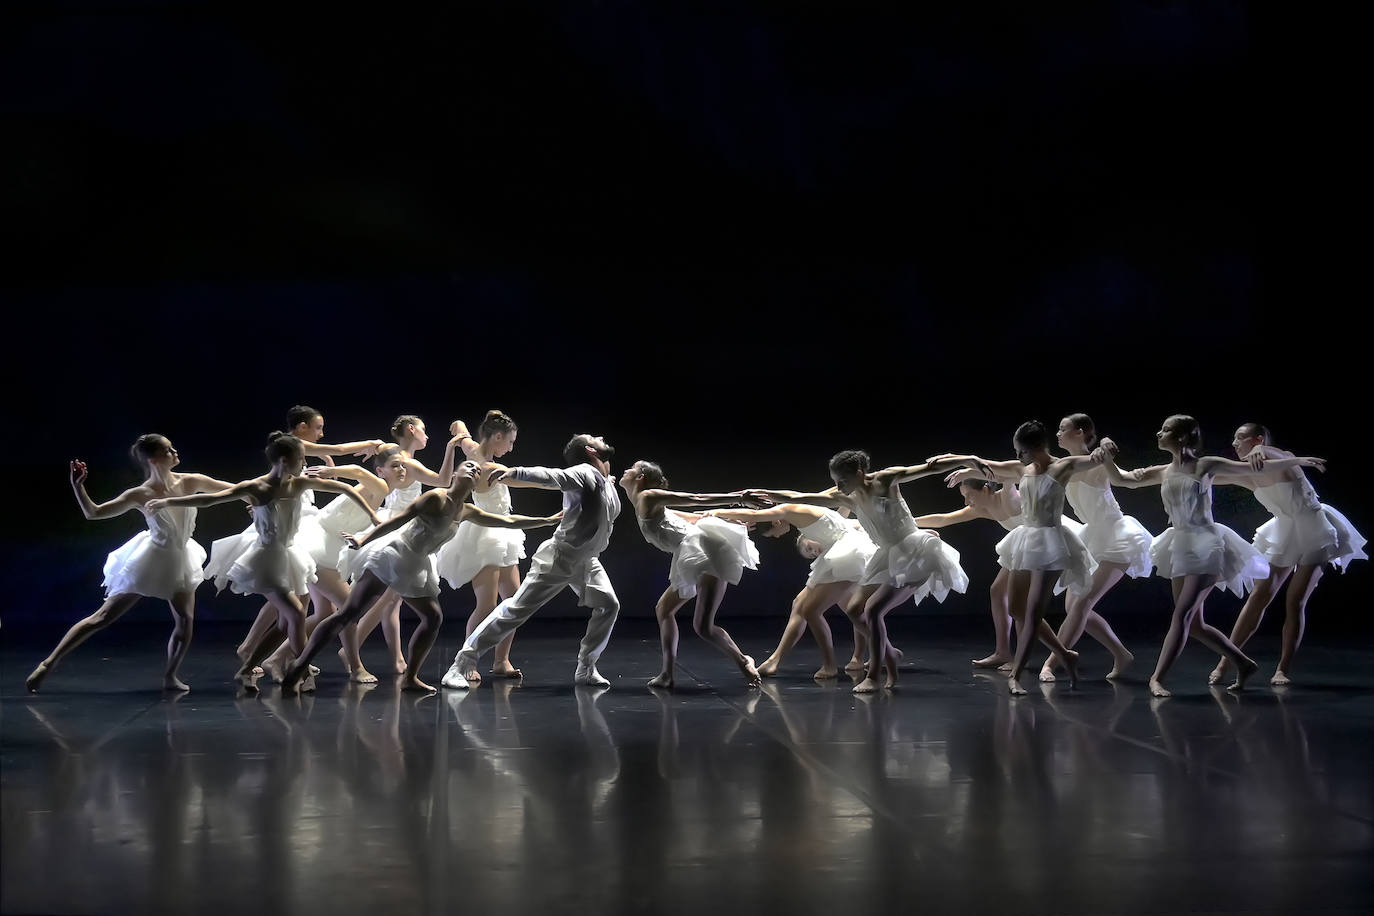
(734, 239)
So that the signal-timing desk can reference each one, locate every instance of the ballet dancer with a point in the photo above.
(568, 559)
(1119, 544)
(487, 557)
(274, 566)
(839, 550)
(404, 564)
(1303, 536)
(909, 562)
(708, 555)
(162, 562)
(1195, 553)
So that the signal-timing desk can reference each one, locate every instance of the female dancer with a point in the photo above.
(162, 562)
(409, 432)
(274, 566)
(486, 556)
(1298, 541)
(342, 516)
(1119, 544)
(908, 563)
(708, 554)
(404, 564)
(839, 550)
(1195, 553)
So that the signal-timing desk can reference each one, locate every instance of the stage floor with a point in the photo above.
(944, 796)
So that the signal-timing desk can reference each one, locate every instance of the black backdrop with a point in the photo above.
(731, 239)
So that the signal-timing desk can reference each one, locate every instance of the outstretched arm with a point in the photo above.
(89, 508)
(480, 516)
(1244, 469)
(787, 513)
(540, 478)
(201, 483)
(459, 431)
(338, 486)
(828, 499)
(651, 501)
(243, 490)
(945, 519)
(1140, 477)
(362, 447)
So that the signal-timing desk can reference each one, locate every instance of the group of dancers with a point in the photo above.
(384, 541)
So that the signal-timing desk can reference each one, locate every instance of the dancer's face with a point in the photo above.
(604, 453)
(291, 467)
(502, 443)
(809, 548)
(312, 431)
(466, 471)
(975, 497)
(417, 431)
(845, 483)
(393, 470)
(167, 458)
(631, 475)
(1168, 436)
(1068, 434)
(1244, 443)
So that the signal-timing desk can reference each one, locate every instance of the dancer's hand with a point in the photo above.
(759, 497)
(78, 472)
(1317, 463)
(154, 506)
(954, 478)
(946, 456)
(320, 470)
(1256, 458)
(370, 447)
(351, 540)
(496, 476)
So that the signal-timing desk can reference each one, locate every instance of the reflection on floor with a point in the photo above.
(946, 795)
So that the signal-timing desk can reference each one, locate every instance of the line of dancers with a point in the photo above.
(384, 541)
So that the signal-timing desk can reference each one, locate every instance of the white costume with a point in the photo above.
(349, 561)
(273, 560)
(1042, 541)
(907, 555)
(160, 562)
(476, 547)
(569, 559)
(1303, 532)
(711, 547)
(1196, 545)
(406, 562)
(1110, 535)
(847, 549)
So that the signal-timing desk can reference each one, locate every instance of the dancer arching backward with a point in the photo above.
(708, 554)
(274, 566)
(1041, 545)
(1195, 553)
(484, 556)
(307, 425)
(409, 432)
(1303, 536)
(908, 563)
(404, 564)
(568, 559)
(340, 517)
(1119, 544)
(839, 550)
(162, 562)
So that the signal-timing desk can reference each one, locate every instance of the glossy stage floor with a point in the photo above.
(945, 796)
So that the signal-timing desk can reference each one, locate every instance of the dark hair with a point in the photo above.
(849, 461)
(146, 447)
(301, 414)
(398, 426)
(1255, 429)
(1031, 435)
(653, 475)
(283, 445)
(495, 422)
(1190, 434)
(573, 452)
(385, 454)
(978, 483)
(1084, 423)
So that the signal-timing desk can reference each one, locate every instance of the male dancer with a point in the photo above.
(569, 558)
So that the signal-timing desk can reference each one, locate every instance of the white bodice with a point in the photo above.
(666, 532)
(171, 526)
(1093, 505)
(427, 533)
(889, 522)
(1289, 498)
(276, 522)
(1187, 502)
(1042, 501)
(495, 500)
(826, 530)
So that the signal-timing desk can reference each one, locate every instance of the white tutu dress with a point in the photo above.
(907, 555)
(476, 546)
(711, 547)
(1196, 545)
(350, 561)
(273, 560)
(160, 562)
(341, 516)
(1110, 535)
(1042, 541)
(1303, 532)
(847, 549)
(406, 562)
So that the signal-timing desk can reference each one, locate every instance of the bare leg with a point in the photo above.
(881, 654)
(710, 593)
(386, 612)
(1081, 615)
(1295, 619)
(291, 619)
(114, 607)
(265, 622)
(422, 640)
(863, 638)
(501, 666)
(1189, 594)
(808, 611)
(999, 599)
(1251, 613)
(1031, 592)
(665, 610)
(366, 592)
(796, 625)
(183, 624)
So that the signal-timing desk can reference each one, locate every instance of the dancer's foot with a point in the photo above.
(770, 667)
(314, 671)
(1218, 673)
(34, 680)
(1157, 689)
(995, 660)
(460, 675)
(248, 679)
(505, 669)
(664, 680)
(586, 673)
(275, 668)
(1047, 674)
(399, 664)
(1280, 679)
(1247, 667)
(751, 674)
(1119, 664)
(867, 685)
(410, 682)
(1071, 666)
(292, 678)
(361, 675)
(823, 673)
(172, 682)
(854, 667)
(1014, 685)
